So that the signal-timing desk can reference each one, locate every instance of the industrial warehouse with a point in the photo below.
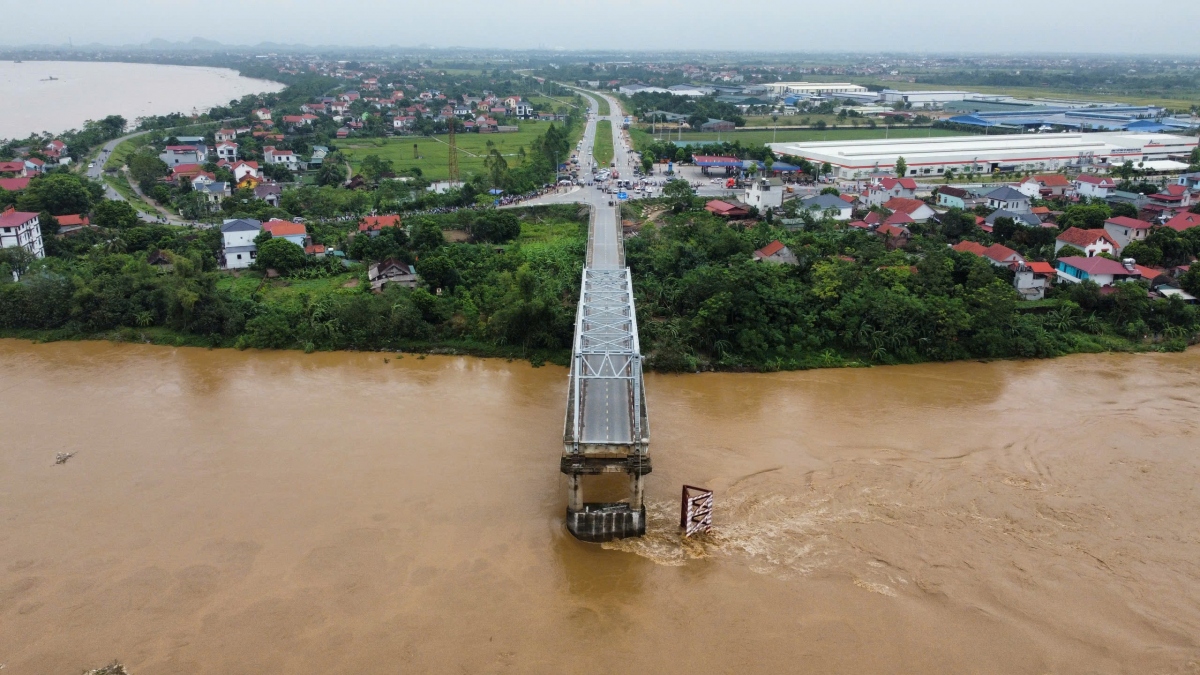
(987, 154)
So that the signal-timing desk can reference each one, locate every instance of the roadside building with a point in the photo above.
(21, 228)
(882, 190)
(764, 193)
(1184, 221)
(285, 158)
(1027, 219)
(174, 155)
(717, 125)
(952, 197)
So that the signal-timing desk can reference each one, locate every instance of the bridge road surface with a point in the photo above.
(606, 410)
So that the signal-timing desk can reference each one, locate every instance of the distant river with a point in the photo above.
(87, 90)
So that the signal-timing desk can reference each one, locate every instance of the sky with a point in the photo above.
(1095, 26)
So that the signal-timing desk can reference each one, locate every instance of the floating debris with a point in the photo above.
(114, 668)
(62, 457)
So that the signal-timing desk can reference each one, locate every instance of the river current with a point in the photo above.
(266, 512)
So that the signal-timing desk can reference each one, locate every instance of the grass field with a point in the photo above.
(603, 150)
(123, 188)
(605, 108)
(433, 152)
(122, 152)
(762, 136)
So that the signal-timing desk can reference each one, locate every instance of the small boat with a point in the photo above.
(50, 79)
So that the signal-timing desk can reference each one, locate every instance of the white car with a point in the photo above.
(91, 165)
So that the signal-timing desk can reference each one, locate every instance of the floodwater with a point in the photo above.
(86, 90)
(246, 512)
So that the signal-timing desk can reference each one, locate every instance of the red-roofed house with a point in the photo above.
(14, 184)
(1102, 271)
(887, 188)
(1088, 185)
(71, 223)
(282, 157)
(285, 229)
(372, 225)
(1184, 221)
(726, 209)
(21, 228)
(895, 236)
(997, 254)
(17, 167)
(1176, 196)
(916, 209)
(776, 252)
(1124, 229)
(317, 250)
(1031, 279)
(224, 135)
(227, 150)
(1091, 242)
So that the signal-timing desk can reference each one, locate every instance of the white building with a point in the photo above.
(924, 99)
(21, 228)
(174, 155)
(227, 150)
(238, 250)
(284, 157)
(988, 154)
(813, 88)
(1095, 187)
(764, 193)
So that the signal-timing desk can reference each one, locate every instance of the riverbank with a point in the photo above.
(245, 511)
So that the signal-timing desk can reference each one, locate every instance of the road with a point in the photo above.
(605, 402)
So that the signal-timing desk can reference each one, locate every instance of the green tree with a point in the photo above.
(281, 255)
(495, 227)
(1085, 216)
(438, 271)
(58, 193)
(901, 167)
(426, 234)
(146, 168)
(373, 168)
(679, 195)
(115, 214)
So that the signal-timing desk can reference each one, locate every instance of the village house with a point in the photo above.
(224, 135)
(227, 151)
(1091, 242)
(1094, 187)
(1184, 221)
(269, 193)
(764, 193)
(238, 250)
(34, 166)
(953, 198)
(372, 225)
(1026, 218)
(1102, 271)
(174, 155)
(776, 252)
(214, 192)
(726, 209)
(21, 228)
(894, 235)
(285, 229)
(1008, 199)
(1032, 279)
(14, 184)
(888, 188)
(392, 271)
(12, 168)
(916, 209)
(1123, 229)
(285, 158)
(835, 206)
(997, 254)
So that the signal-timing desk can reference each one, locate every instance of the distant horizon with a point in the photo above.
(206, 44)
(1022, 27)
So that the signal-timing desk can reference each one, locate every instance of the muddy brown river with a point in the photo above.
(246, 512)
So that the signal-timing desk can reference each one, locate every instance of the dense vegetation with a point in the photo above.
(702, 302)
(476, 296)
